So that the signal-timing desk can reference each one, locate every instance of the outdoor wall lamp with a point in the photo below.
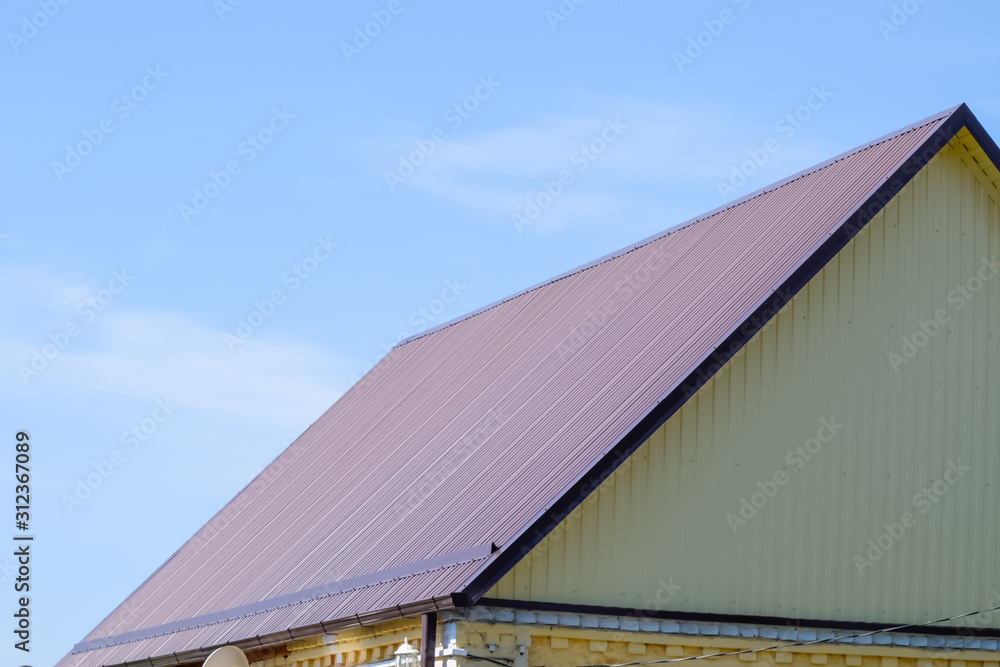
(406, 655)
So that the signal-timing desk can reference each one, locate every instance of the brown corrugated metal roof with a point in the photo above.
(472, 434)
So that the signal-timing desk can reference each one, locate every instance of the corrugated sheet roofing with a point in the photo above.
(462, 438)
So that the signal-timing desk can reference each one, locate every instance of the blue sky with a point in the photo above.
(217, 216)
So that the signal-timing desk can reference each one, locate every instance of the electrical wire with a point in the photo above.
(777, 647)
(506, 662)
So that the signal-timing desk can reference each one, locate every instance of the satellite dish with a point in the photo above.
(227, 656)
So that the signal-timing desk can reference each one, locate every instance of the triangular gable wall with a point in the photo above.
(830, 470)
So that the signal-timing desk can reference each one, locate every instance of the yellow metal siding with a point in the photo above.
(661, 520)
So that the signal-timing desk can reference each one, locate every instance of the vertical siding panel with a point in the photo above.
(626, 529)
(741, 456)
(605, 545)
(983, 408)
(689, 517)
(539, 570)
(522, 579)
(656, 558)
(672, 492)
(573, 567)
(722, 466)
(920, 369)
(634, 561)
(744, 586)
(555, 557)
(961, 367)
(905, 290)
(958, 509)
(826, 351)
(846, 377)
(596, 534)
(977, 407)
(992, 456)
(887, 409)
(825, 355)
(946, 390)
(706, 458)
(785, 414)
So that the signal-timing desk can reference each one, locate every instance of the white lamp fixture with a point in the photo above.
(406, 655)
(227, 656)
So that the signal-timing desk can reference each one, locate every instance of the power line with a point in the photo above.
(777, 647)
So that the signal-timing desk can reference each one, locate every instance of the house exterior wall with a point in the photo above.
(520, 638)
(845, 465)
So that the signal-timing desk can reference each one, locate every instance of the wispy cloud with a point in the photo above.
(146, 354)
(667, 153)
(38, 288)
(151, 354)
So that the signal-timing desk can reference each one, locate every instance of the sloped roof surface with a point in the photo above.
(462, 438)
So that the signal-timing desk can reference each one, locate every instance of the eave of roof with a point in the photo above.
(284, 601)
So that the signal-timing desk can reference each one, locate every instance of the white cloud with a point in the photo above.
(154, 354)
(128, 354)
(666, 158)
(39, 288)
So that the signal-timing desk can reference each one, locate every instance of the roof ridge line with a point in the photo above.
(687, 223)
